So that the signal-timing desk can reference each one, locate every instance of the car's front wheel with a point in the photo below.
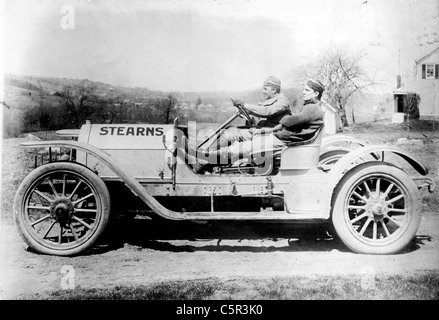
(61, 208)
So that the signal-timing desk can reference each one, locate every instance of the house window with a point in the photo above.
(430, 71)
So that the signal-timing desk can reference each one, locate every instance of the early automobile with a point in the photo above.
(370, 194)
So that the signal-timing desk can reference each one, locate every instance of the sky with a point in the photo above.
(209, 45)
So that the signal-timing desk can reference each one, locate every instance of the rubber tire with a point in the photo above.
(102, 195)
(342, 227)
(332, 154)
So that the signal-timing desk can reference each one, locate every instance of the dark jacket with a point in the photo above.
(302, 125)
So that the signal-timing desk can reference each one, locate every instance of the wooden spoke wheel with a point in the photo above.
(61, 208)
(377, 209)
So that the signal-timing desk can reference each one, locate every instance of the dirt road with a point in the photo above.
(147, 252)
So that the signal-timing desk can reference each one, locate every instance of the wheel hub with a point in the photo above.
(62, 209)
(377, 209)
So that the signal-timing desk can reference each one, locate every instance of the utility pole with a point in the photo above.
(434, 115)
(399, 61)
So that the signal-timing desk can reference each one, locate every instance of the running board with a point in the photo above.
(236, 215)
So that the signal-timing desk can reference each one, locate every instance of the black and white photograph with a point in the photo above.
(219, 154)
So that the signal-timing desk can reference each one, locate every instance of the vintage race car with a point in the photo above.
(369, 194)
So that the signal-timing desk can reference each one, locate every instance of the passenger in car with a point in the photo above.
(296, 127)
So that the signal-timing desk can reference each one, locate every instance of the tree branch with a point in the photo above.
(4, 103)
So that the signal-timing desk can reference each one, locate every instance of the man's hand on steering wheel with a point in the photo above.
(237, 102)
(243, 112)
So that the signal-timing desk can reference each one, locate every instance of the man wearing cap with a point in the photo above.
(272, 109)
(300, 126)
(296, 127)
(275, 106)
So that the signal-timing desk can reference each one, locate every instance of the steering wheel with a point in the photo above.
(244, 114)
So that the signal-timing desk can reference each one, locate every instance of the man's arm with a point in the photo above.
(308, 114)
(279, 106)
(267, 130)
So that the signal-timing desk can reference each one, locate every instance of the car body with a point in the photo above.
(62, 207)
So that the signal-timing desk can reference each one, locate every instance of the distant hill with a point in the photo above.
(21, 89)
(22, 85)
(36, 104)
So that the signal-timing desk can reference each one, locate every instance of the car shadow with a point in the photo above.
(225, 236)
(418, 241)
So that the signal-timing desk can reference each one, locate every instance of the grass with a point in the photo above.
(423, 286)
(187, 290)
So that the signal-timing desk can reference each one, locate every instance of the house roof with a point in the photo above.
(410, 88)
(427, 56)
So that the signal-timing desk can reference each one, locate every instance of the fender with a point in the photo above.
(340, 167)
(330, 140)
(117, 168)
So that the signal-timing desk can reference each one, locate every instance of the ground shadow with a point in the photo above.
(418, 241)
(226, 236)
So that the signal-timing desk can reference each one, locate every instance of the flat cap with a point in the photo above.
(316, 85)
(272, 81)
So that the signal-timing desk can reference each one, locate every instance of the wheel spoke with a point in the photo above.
(86, 210)
(64, 186)
(393, 220)
(48, 229)
(42, 195)
(53, 187)
(82, 222)
(375, 231)
(356, 207)
(39, 207)
(388, 190)
(385, 228)
(395, 199)
(377, 191)
(76, 188)
(73, 232)
(359, 196)
(359, 217)
(367, 187)
(40, 220)
(402, 211)
(60, 234)
(366, 224)
(82, 199)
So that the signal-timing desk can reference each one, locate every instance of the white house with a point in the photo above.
(426, 86)
(331, 118)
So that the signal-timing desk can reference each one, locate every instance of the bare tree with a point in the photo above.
(45, 116)
(343, 75)
(198, 102)
(80, 103)
(411, 109)
(167, 108)
(111, 109)
(2, 102)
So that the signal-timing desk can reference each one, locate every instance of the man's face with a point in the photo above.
(268, 92)
(309, 94)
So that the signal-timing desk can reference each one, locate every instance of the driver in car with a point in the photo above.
(272, 110)
(296, 127)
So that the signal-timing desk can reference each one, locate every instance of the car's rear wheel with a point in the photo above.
(331, 157)
(376, 209)
(61, 208)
